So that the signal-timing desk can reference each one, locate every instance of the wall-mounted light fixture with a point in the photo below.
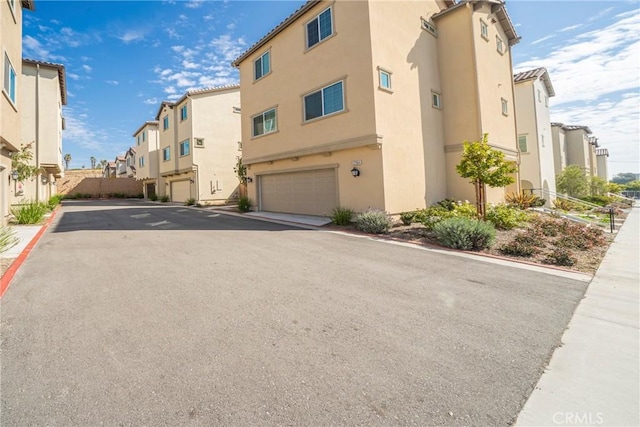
(355, 172)
(44, 179)
(249, 180)
(14, 175)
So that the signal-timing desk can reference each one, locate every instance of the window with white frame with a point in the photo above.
(484, 29)
(166, 153)
(184, 148)
(141, 161)
(10, 79)
(319, 28)
(436, 100)
(265, 122)
(144, 135)
(326, 101)
(138, 140)
(505, 106)
(522, 143)
(499, 45)
(262, 66)
(183, 112)
(165, 122)
(384, 79)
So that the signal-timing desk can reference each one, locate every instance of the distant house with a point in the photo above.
(146, 139)
(533, 90)
(367, 103)
(130, 161)
(109, 170)
(121, 167)
(574, 145)
(198, 145)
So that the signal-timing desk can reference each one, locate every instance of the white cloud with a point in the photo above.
(131, 36)
(173, 34)
(570, 28)
(79, 132)
(33, 49)
(151, 101)
(87, 68)
(112, 82)
(540, 40)
(228, 47)
(194, 4)
(600, 14)
(231, 26)
(73, 76)
(208, 17)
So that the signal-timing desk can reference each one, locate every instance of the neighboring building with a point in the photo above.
(121, 167)
(10, 106)
(533, 90)
(130, 161)
(198, 145)
(602, 156)
(574, 145)
(109, 170)
(42, 95)
(383, 91)
(146, 138)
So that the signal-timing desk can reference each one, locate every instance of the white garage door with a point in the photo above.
(308, 192)
(180, 191)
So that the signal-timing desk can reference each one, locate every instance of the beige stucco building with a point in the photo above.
(574, 145)
(130, 162)
(146, 139)
(385, 91)
(10, 107)
(533, 90)
(199, 137)
(42, 94)
(602, 160)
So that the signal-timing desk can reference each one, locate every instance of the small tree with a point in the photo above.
(484, 165)
(597, 186)
(572, 181)
(612, 187)
(21, 162)
(240, 170)
(93, 162)
(67, 160)
(632, 186)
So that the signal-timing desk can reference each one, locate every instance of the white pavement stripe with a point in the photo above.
(155, 224)
(138, 216)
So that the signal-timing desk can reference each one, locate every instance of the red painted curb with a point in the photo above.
(5, 281)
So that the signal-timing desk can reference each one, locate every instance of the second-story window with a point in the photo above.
(165, 123)
(265, 122)
(522, 143)
(138, 141)
(484, 29)
(183, 112)
(327, 100)
(505, 107)
(184, 148)
(436, 101)
(166, 153)
(144, 135)
(141, 161)
(319, 28)
(385, 79)
(262, 66)
(499, 45)
(10, 78)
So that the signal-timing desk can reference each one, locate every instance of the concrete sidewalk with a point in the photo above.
(593, 378)
(24, 233)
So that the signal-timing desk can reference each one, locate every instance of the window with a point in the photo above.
(319, 28)
(138, 141)
(262, 66)
(183, 112)
(522, 143)
(499, 45)
(141, 161)
(12, 6)
(385, 79)
(165, 123)
(144, 135)
(166, 153)
(484, 29)
(327, 100)
(10, 77)
(265, 123)
(429, 27)
(198, 142)
(184, 148)
(436, 101)
(505, 107)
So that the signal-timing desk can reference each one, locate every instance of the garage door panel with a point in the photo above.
(180, 191)
(305, 192)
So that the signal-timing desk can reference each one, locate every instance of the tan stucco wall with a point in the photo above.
(559, 149)
(167, 139)
(149, 150)
(578, 149)
(603, 167)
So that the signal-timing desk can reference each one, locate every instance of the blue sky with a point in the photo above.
(124, 57)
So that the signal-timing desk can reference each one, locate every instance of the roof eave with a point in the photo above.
(29, 4)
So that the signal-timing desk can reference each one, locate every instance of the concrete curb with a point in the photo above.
(7, 277)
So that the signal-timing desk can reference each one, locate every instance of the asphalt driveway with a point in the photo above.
(130, 313)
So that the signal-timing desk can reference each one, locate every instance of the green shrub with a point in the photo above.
(153, 197)
(341, 216)
(448, 204)
(532, 237)
(519, 249)
(442, 210)
(523, 200)
(54, 201)
(465, 210)
(539, 202)
(165, 198)
(8, 238)
(244, 204)
(373, 221)
(190, 201)
(140, 196)
(465, 233)
(581, 237)
(30, 213)
(408, 218)
(560, 256)
(598, 200)
(506, 217)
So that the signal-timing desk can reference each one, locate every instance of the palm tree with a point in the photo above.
(93, 162)
(103, 163)
(67, 159)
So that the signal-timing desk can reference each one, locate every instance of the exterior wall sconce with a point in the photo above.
(15, 175)
(191, 180)
(249, 180)
(44, 179)
(355, 172)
